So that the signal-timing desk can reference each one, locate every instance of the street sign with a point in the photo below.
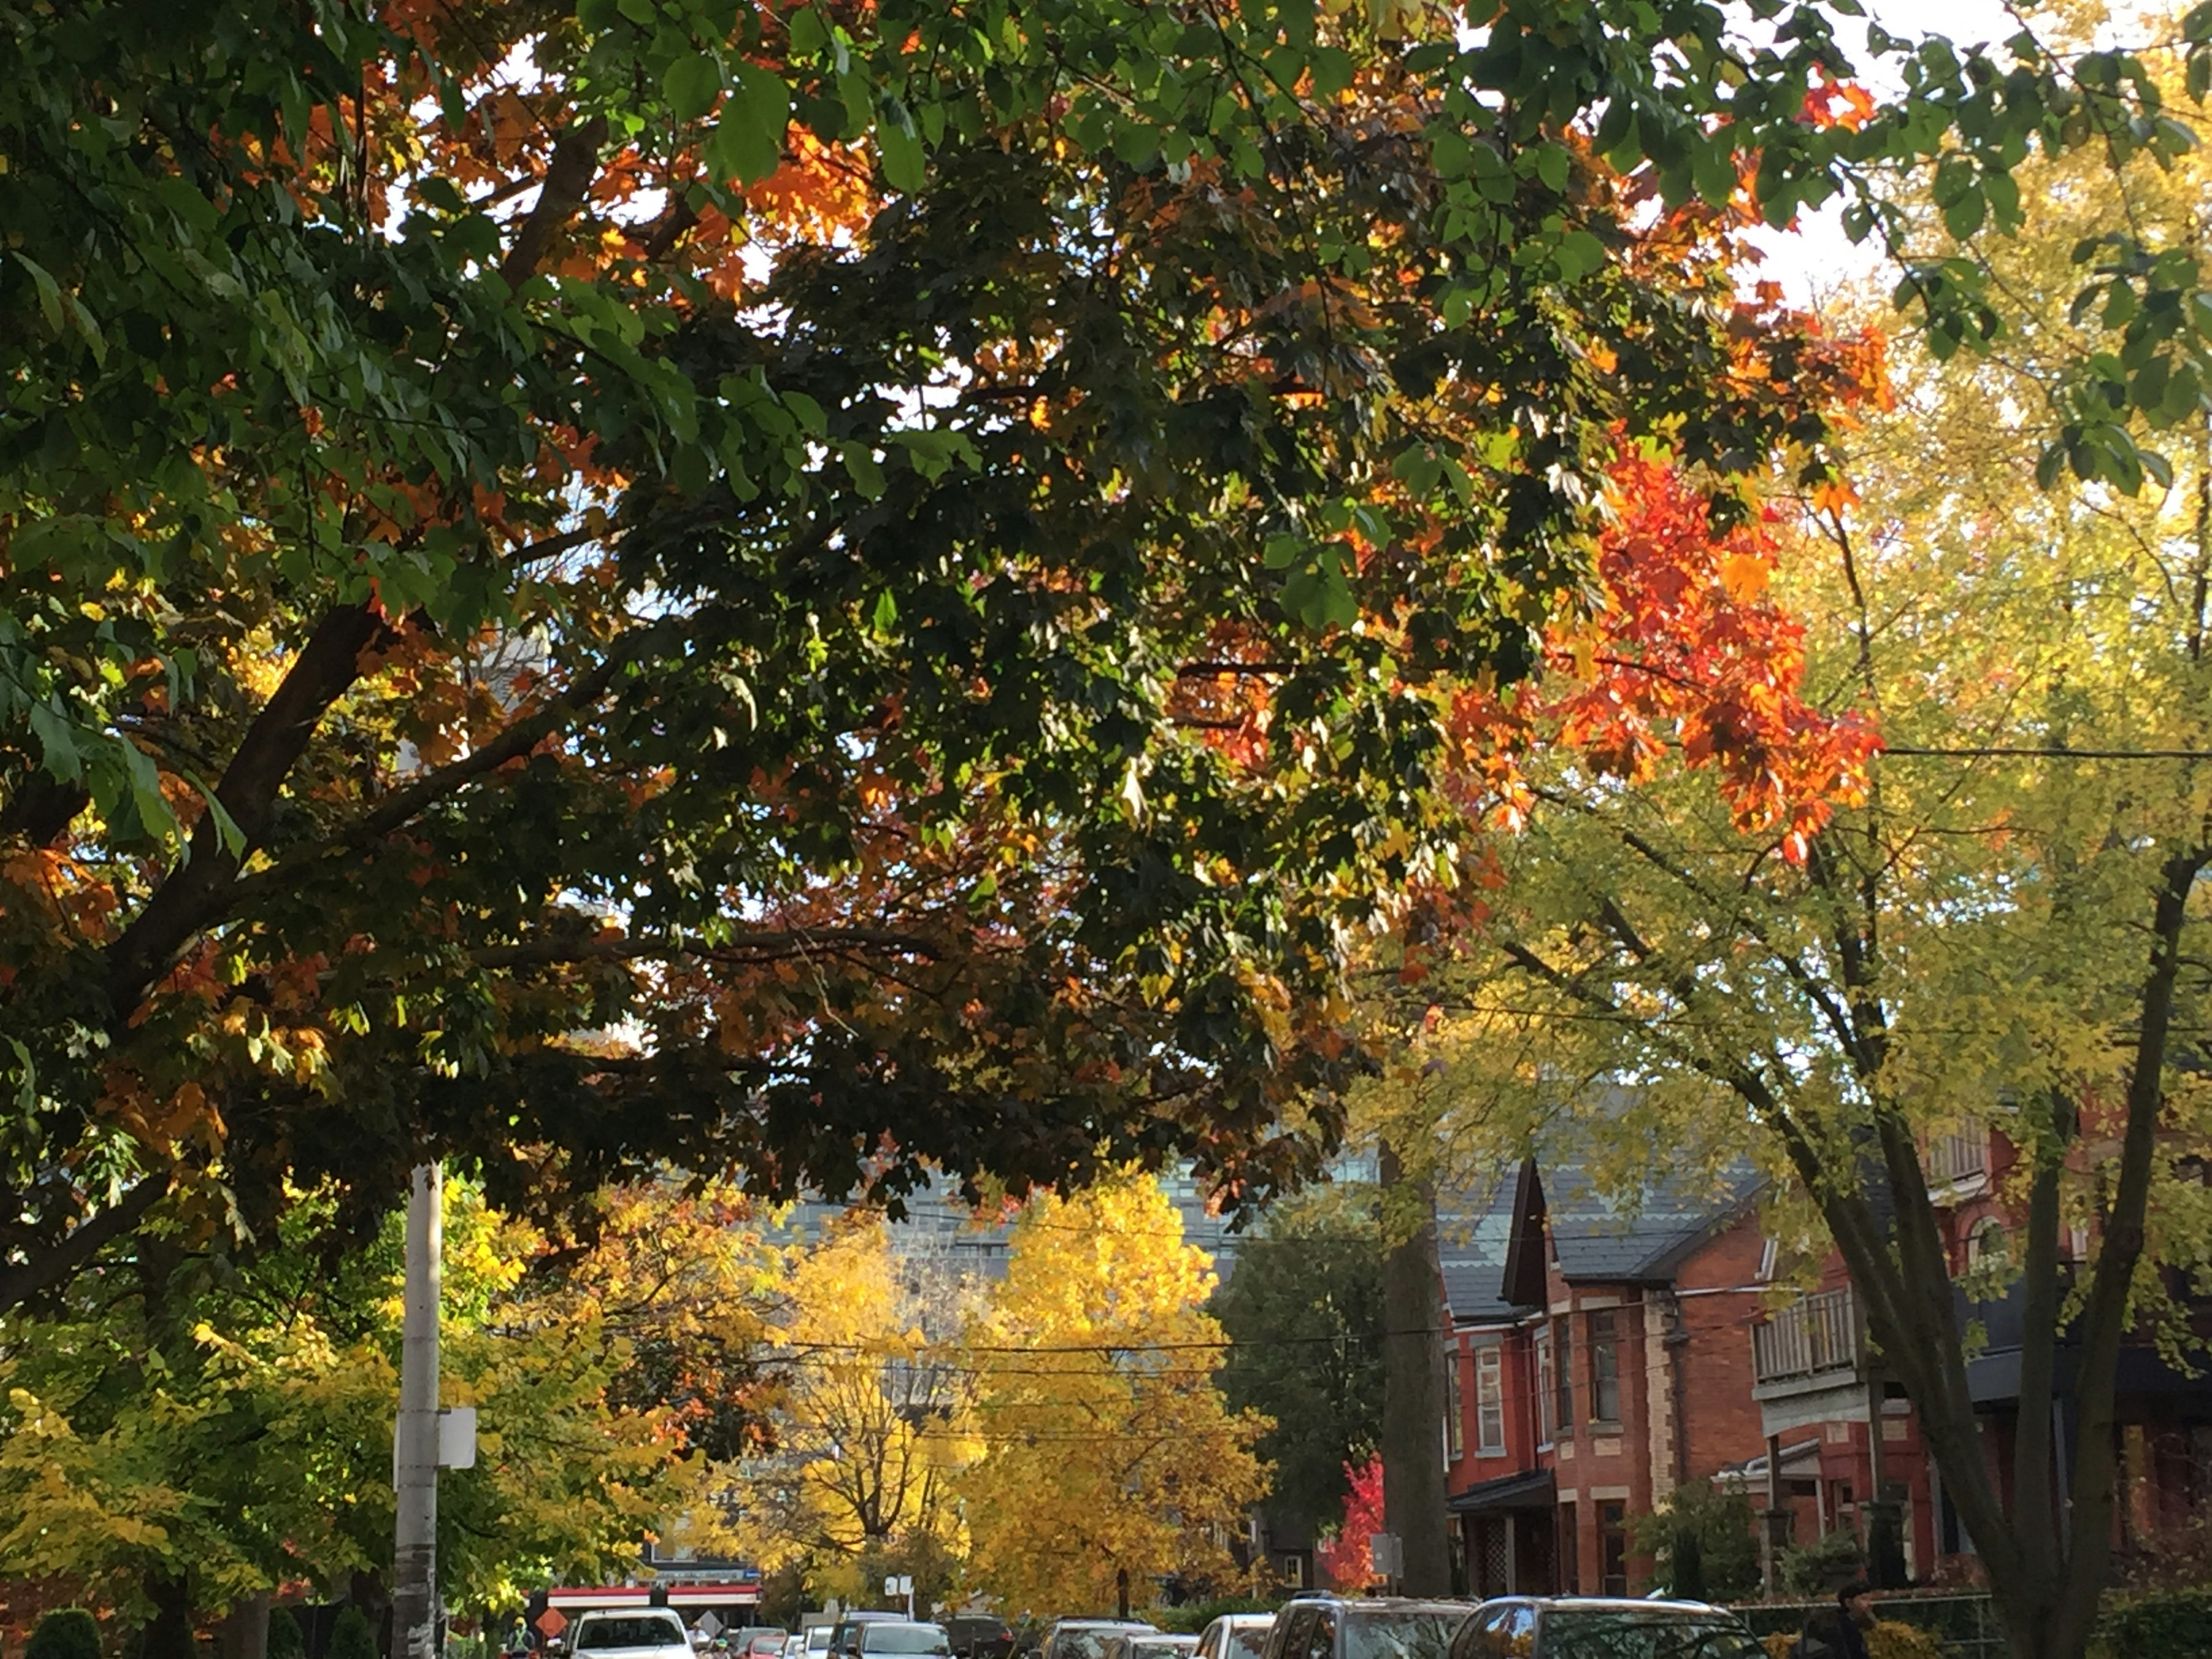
(551, 1622)
(708, 1625)
(457, 1437)
(1386, 1551)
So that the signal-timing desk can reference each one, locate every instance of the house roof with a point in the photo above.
(1474, 1230)
(1644, 1237)
(1492, 1235)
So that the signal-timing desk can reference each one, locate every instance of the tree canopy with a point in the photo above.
(1303, 1310)
(766, 534)
(1981, 910)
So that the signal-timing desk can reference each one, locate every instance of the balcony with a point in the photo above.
(1813, 1341)
(1959, 1164)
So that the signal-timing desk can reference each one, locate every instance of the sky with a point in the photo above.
(1817, 256)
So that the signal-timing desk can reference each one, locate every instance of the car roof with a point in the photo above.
(1621, 1603)
(1138, 1625)
(1382, 1603)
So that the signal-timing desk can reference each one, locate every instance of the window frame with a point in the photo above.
(1546, 1386)
(1562, 1360)
(1454, 1405)
(1605, 1366)
(1490, 1412)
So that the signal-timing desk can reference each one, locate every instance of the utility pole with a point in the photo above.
(415, 1439)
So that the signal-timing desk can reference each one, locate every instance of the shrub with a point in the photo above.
(352, 1638)
(2175, 1624)
(1727, 1547)
(1818, 1569)
(284, 1641)
(1889, 1639)
(65, 1633)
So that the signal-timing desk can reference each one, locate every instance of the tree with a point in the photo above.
(1346, 1559)
(872, 1427)
(457, 601)
(285, 1640)
(180, 1441)
(1107, 1449)
(1703, 1543)
(350, 1636)
(1303, 1313)
(65, 1633)
(1987, 913)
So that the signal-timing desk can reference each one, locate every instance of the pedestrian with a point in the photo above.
(1839, 1632)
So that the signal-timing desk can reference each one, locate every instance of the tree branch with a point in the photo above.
(54, 1266)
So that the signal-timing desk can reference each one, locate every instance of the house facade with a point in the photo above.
(1602, 1354)
(1598, 1358)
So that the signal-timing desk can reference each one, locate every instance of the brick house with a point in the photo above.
(1817, 1393)
(1601, 1355)
(1598, 1358)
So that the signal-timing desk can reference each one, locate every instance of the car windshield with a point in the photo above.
(904, 1639)
(1161, 1646)
(604, 1635)
(1082, 1644)
(1423, 1633)
(1630, 1633)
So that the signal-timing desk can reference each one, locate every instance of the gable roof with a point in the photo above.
(1475, 1226)
(1640, 1238)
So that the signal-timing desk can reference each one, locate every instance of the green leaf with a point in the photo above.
(692, 84)
(899, 146)
(57, 743)
(50, 291)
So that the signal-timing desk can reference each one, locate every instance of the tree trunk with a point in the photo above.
(1414, 1382)
(246, 1629)
(169, 1635)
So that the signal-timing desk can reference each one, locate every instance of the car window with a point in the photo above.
(1243, 1642)
(1411, 1633)
(904, 1638)
(646, 1630)
(1321, 1635)
(1633, 1633)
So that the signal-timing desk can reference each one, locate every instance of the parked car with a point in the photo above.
(980, 1636)
(1236, 1636)
(844, 1634)
(902, 1636)
(1085, 1638)
(643, 1633)
(1364, 1627)
(1593, 1627)
(818, 1637)
(794, 1645)
(1137, 1644)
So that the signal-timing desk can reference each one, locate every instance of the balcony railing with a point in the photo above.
(1961, 1157)
(1813, 1335)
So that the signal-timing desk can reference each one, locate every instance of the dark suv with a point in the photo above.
(1589, 1627)
(1361, 1627)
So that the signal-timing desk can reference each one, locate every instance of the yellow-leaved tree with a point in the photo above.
(873, 1425)
(1108, 1447)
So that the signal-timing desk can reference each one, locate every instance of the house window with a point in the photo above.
(1455, 1406)
(1605, 1366)
(1490, 1399)
(1570, 1553)
(1546, 1394)
(1564, 1358)
(1769, 1258)
(1986, 1245)
(1613, 1548)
